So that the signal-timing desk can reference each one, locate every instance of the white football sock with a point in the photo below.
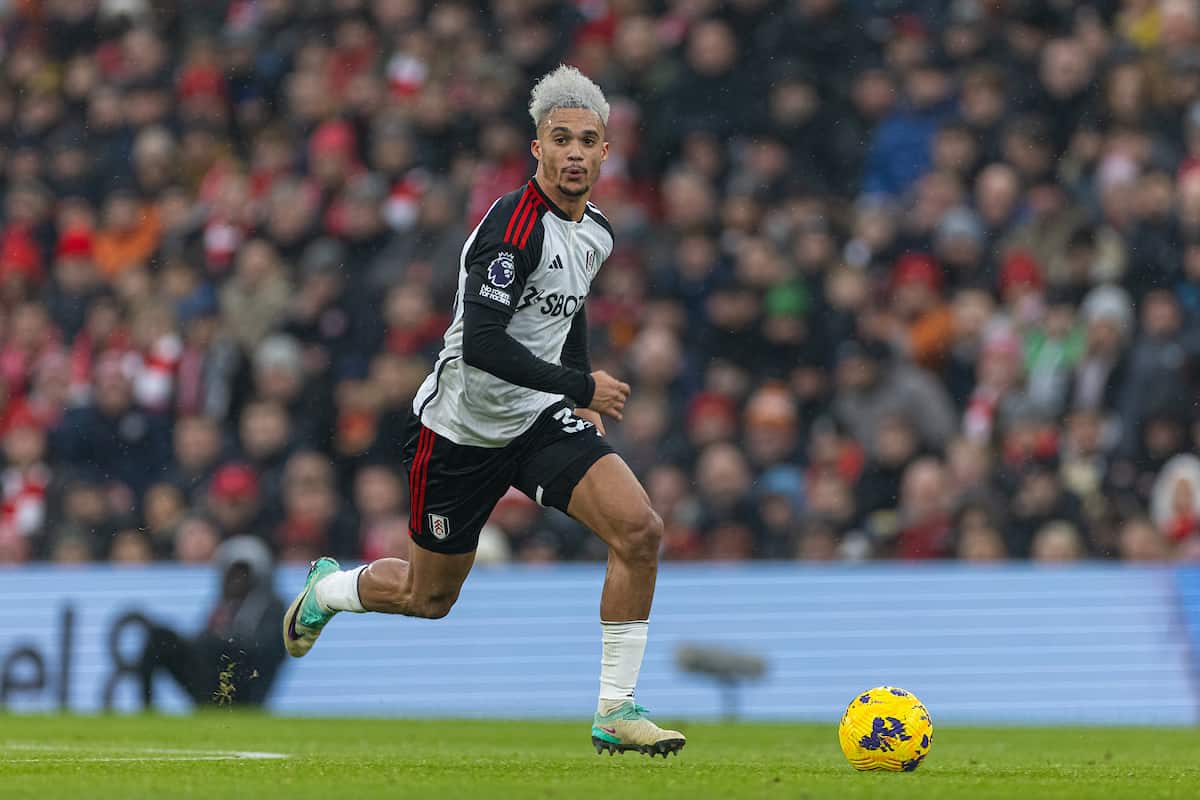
(339, 591)
(624, 644)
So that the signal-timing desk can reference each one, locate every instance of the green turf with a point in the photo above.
(58, 757)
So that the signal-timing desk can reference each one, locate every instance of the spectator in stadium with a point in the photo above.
(921, 528)
(1140, 540)
(235, 659)
(379, 498)
(26, 479)
(818, 541)
(414, 326)
(978, 533)
(878, 486)
(209, 362)
(256, 297)
(315, 519)
(1175, 503)
(280, 377)
(234, 499)
(111, 435)
(265, 437)
(1051, 349)
(196, 455)
(902, 147)
(416, 251)
(1159, 357)
(771, 428)
(872, 386)
(724, 482)
(1102, 371)
(128, 234)
(1039, 499)
(997, 396)
(780, 507)
(130, 546)
(196, 540)
(165, 509)
(328, 316)
(925, 323)
(1057, 541)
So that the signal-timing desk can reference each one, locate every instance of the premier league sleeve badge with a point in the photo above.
(501, 272)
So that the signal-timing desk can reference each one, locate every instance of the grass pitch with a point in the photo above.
(228, 755)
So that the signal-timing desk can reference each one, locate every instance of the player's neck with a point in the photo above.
(573, 207)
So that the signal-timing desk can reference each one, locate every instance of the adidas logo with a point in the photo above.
(556, 263)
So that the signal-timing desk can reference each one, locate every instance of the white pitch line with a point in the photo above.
(43, 752)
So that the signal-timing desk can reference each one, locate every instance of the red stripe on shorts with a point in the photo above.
(416, 480)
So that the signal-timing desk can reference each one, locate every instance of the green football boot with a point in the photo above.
(304, 619)
(626, 727)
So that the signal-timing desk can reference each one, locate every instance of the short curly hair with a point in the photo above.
(566, 87)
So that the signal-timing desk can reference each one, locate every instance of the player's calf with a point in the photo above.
(404, 601)
(426, 587)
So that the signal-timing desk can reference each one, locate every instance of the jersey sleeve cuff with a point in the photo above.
(583, 398)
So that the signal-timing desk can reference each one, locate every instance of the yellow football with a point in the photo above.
(886, 728)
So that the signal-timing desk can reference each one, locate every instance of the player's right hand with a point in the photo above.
(610, 396)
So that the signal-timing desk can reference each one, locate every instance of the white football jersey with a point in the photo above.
(529, 259)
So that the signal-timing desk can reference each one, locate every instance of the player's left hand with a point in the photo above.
(610, 395)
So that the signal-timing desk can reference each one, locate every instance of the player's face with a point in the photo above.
(569, 149)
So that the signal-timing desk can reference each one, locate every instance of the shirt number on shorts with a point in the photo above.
(570, 422)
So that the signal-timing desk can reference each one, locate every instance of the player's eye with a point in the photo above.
(560, 140)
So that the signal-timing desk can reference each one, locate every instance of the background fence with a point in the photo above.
(1096, 644)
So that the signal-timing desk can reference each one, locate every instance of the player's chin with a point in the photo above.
(574, 188)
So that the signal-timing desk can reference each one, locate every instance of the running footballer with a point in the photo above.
(513, 401)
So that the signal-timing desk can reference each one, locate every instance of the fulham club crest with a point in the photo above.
(439, 526)
(591, 262)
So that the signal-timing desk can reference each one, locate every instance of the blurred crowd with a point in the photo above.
(893, 278)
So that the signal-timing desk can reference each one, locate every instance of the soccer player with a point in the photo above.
(512, 401)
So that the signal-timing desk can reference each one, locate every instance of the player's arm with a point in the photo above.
(575, 355)
(497, 270)
(488, 346)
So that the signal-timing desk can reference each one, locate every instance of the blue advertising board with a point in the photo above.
(1009, 644)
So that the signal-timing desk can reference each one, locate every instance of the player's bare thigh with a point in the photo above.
(610, 501)
(427, 585)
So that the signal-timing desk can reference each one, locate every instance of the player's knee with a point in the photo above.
(436, 609)
(642, 537)
(434, 606)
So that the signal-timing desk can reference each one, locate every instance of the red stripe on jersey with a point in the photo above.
(512, 221)
(539, 206)
(530, 216)
(416, 480)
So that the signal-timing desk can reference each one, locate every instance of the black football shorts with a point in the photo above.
(454, 487)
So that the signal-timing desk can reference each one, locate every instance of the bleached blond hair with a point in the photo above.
(566, 87)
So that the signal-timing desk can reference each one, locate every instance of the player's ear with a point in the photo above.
(535, 147)
(604, 152)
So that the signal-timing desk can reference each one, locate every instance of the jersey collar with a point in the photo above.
(558, 212)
